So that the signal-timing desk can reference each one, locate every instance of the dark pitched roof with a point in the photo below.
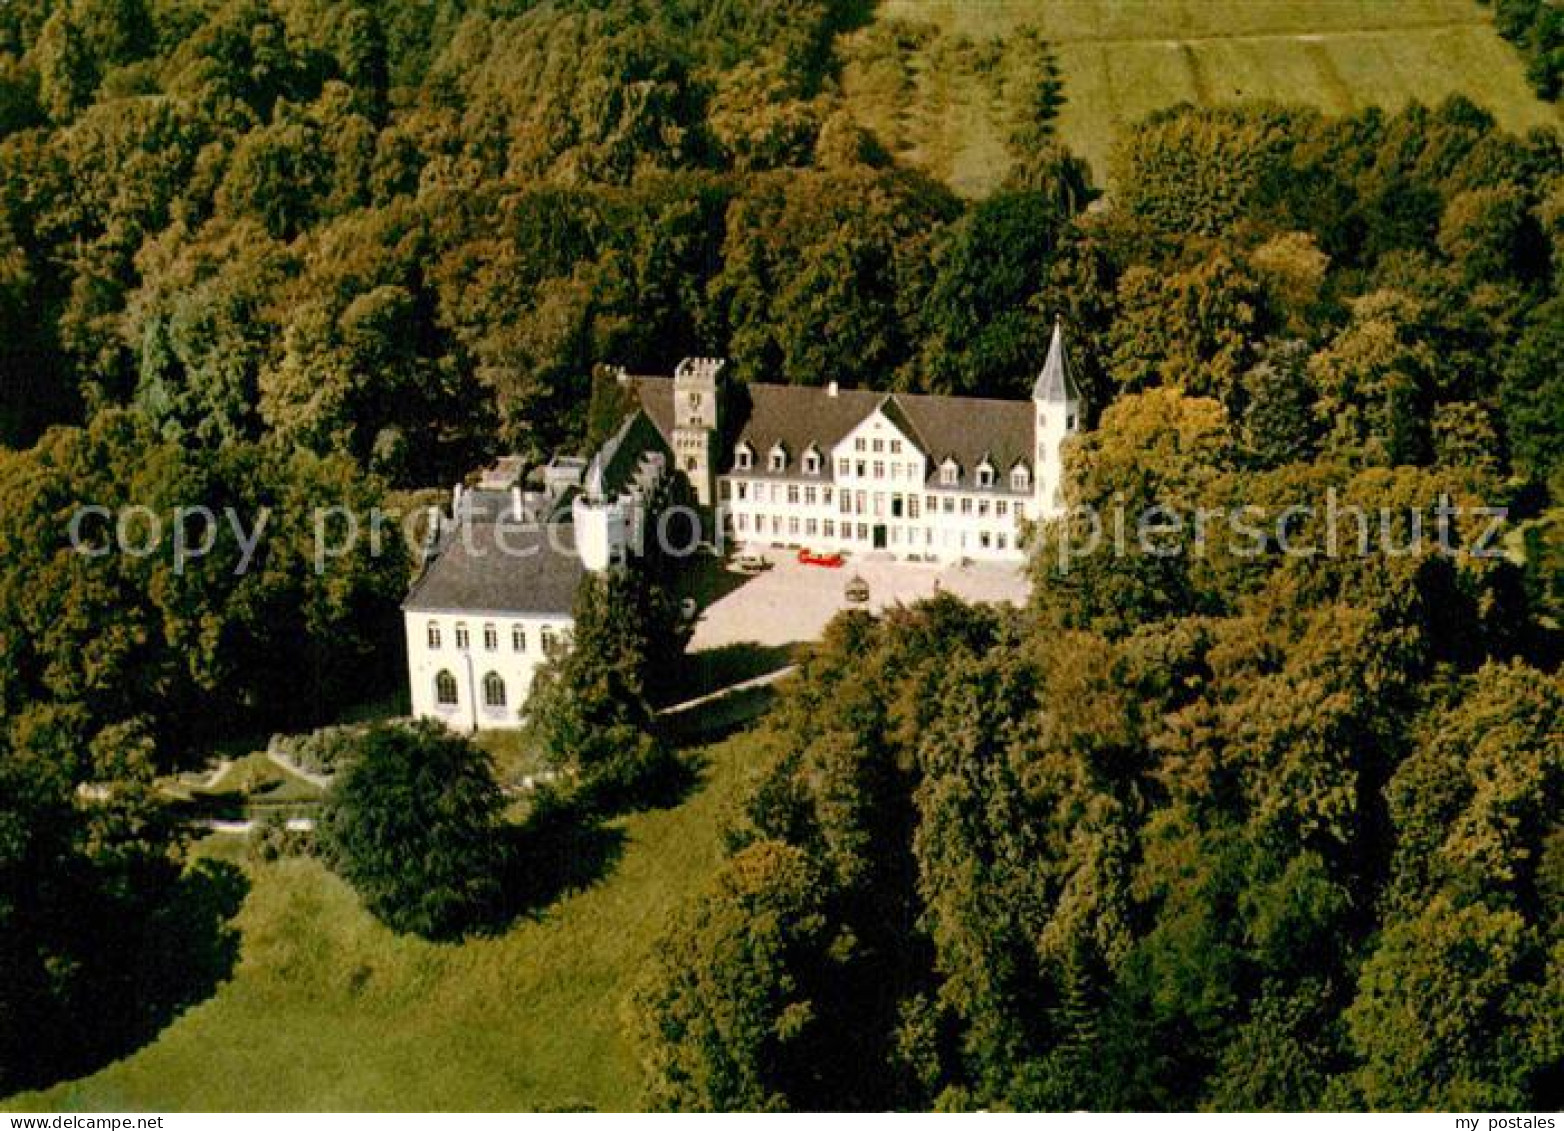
(971, 429)
(796, 416)
(965, 428)
(1055, 384)
(656, 394)
(501, 568)
(617, 461)
(893, 411)
(764, 415)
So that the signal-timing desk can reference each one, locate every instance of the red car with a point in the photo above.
(830, 561)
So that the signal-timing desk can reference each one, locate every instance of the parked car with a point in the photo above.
(751, 561)
(856, 590)
(829, 561)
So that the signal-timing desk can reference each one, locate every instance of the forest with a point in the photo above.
(1226, 833)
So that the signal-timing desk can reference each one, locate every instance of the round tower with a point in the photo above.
(1057, 402)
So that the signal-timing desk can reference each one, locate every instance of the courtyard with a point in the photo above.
(791, 602)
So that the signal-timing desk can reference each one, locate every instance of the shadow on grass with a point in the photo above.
(662, 784)
(196, 943)
(559, 850)
(715, 668)
(133, 974)
(568, 843)
(718, 719)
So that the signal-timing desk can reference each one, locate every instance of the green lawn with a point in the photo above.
(514, 757)
(936, 78)
(251, 785)
(327, 1009)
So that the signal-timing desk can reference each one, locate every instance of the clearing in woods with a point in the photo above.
(328, 1010)
(943, 81)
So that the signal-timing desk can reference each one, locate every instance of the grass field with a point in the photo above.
(327, 1009)
(936, 79)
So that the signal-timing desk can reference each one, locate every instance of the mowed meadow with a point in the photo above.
(328, 1010)
(942, 81)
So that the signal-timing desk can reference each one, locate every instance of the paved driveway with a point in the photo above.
(792, 602)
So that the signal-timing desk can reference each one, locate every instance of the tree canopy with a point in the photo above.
(414, 824)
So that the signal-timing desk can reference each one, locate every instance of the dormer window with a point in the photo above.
(1020, 478)
(744, 458)
(949, 473)
(779, 458)
(812, 462)
(985, 474)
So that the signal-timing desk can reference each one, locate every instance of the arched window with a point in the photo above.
(491, 638)
(493, 690)
(461, 636)
(434, 634)
(445, 689)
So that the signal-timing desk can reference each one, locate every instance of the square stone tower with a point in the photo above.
(697, 424)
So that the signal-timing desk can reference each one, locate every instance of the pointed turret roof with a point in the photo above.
(1054, 383)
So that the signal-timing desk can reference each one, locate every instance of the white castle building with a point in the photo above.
(500, 574)
(928, 478)
(915, 476)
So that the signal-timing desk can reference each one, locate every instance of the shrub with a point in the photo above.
(413, 823)
(270, 839)
(321, 751)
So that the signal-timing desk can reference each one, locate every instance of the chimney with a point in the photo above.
(431, 546)
(830, 390)
(515, 503)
